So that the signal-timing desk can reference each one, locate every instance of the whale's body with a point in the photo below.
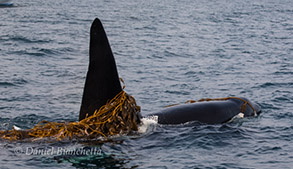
(211, 112)
(102, 84)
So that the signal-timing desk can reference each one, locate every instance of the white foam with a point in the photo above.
(147, 123)
(238, 116)
(16, 128)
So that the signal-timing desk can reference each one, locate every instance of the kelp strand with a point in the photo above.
(118, 116)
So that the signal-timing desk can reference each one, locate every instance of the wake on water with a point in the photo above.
(149, 123)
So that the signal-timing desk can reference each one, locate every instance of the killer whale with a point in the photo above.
(102, 84)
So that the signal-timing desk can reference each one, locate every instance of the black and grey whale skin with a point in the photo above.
(102, 80)
(212, 112)
(102, 84)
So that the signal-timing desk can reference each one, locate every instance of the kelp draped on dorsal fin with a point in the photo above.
(102, 80)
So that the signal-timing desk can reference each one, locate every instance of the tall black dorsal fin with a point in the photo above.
(102, 80)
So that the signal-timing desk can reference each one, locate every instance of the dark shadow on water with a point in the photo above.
(93, 161)
(97, 154)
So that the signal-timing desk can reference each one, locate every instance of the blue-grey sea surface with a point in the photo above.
(167, 52)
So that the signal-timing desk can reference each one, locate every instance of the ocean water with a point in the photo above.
(167, 52)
